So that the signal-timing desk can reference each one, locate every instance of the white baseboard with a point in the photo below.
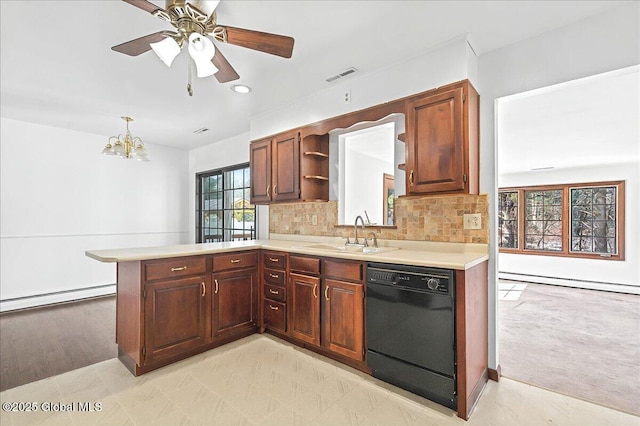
(58, 297)
(590, 285)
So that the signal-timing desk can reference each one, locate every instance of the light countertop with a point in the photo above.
(459, 256)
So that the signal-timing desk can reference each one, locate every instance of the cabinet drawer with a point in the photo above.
(309, 265)
(275, 293)
(175, 267)
(244, 259)
(350, 271)
(274, 277)
(275, 314)
(274, 260)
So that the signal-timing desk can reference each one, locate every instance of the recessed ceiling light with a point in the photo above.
(240, 88)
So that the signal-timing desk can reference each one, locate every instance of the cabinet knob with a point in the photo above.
(273, 275)
(326, 293)
(204, 289)
(273, 308)
(217, 286)
(268, 190)
(182, 268)
(235, 260)
(315, 288)
(274, 291)
(275, 190)
(411, 178)
(273, 259)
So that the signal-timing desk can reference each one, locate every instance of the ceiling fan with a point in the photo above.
(194, 23)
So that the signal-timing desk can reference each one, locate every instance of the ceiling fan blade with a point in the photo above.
(140, 45)
(225, 72)
(264, 42)
(144, 5)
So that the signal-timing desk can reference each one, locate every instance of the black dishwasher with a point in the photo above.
(411, 329)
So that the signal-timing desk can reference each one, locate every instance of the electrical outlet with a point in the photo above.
(347, 96)
(472, 221)
(314, 219)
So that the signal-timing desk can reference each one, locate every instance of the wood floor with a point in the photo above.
(43, 342)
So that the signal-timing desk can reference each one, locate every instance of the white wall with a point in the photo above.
(439, 66)
(593, 272)
(60, 197)
(598, 44)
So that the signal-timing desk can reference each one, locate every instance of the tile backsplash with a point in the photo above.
(429, 218)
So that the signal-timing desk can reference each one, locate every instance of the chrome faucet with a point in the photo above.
(375, 239)
(355, 231)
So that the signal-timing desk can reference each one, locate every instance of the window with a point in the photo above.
(576, 220)
(223, 209)
(508, 219)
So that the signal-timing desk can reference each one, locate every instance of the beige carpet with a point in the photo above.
(582, 343)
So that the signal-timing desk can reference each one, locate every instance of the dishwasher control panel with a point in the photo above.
(410, 277)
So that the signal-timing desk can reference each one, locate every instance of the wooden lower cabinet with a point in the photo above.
(343, 318)
(304, 307)
(234, 301)
(175, 317)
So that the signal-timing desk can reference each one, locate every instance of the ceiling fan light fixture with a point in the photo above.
(167, 50)
(202, 50)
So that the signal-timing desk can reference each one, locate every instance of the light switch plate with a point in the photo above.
(472, 221)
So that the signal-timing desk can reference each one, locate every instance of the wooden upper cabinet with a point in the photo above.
(442, 141)
(260, 170)
(285, 166)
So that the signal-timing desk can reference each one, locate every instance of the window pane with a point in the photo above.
(508, 219)
(593, 220)
(543, 220)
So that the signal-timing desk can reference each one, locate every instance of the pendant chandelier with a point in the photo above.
(126, 146)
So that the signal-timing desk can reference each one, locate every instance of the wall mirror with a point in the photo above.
(367, 170)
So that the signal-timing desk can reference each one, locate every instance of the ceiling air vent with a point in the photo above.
(344, 73)
(201, 130)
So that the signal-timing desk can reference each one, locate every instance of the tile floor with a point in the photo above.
(261, 380)
(510, 290)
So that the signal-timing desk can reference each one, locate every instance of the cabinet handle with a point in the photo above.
(182, 268)
(411, 178)
(326, 293)
(268, 190)
(217, 286)
(275, 190)
(235, 260)
(274, 291)
(204, 288)
(315, 294)
(273, 275)
(273, 259)
(273, 308)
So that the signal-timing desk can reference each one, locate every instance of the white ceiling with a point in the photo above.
(590, 121)
(57, 67)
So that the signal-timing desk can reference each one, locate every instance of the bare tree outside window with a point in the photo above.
(508, 219)
(543, 220)
(593, 220)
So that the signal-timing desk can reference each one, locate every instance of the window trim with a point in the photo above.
(566, 226)
(200, 212)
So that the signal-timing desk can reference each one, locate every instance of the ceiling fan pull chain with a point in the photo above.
(189, 90)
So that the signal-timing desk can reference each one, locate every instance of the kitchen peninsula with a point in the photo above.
(177, 301)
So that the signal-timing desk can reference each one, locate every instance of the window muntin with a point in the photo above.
(593, 219)
(508, 219)
(224, 212)
(573, 220)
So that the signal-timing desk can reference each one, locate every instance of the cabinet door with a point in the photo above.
(174, 317)
(343, 318)
(235, 301)
(286, 166)
(260, 170)
(304, 307)
(435, 143)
